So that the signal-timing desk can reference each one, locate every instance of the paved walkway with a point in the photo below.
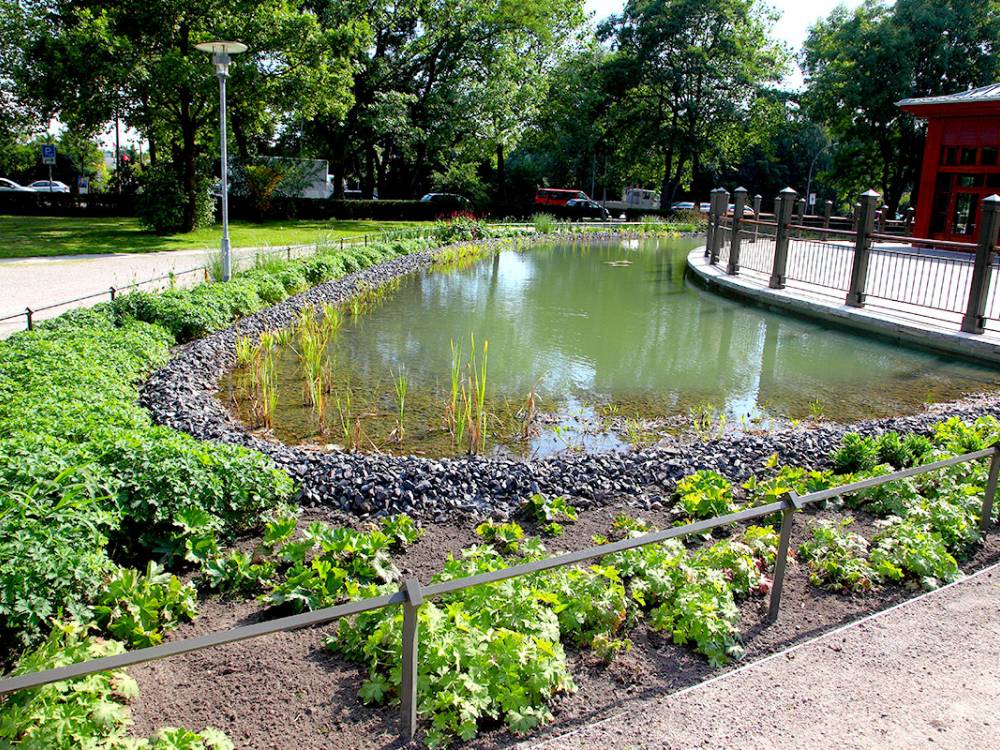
(925, 674)
(918, 298)
(40, 282)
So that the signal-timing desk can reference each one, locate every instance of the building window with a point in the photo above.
(968, 156)
(988, 156)
(964, 219)
(970, 180)
(949, 156)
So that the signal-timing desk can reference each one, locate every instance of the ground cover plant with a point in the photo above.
(92, 493)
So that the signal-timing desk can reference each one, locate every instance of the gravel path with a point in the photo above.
(926, 674)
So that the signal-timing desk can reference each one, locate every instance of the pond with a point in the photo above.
(588, 346)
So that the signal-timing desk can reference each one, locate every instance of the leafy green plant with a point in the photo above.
(86, 712)
(138, 608)
(705, 494)
(543, 223)
(837, 558)
(909, 550)
(539, 507)
(856, 453)
(401, 529)
(955, 436)
(237, 573)
(505, 536)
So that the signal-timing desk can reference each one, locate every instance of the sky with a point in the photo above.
(797, 16)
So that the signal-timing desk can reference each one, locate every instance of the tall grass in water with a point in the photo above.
(313, 336)
(400, 386)
(465, 412)
(245, 349)
(263, 381)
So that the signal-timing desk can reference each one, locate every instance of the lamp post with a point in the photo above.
(813, 166)
(220, 52)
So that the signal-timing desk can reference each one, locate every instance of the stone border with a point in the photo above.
(182, 395)
(883, 323)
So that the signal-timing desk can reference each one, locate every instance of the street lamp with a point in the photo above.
(220, 52)
(813, 167)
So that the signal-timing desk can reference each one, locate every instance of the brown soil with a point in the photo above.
(286, 691)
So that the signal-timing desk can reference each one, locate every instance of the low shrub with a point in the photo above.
(856, 453)
(705, 494)
(909, 551)
(138, 608)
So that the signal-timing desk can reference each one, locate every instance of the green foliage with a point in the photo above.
(402, 529)
(891, 498)
(705, 494)
(837, 558)
(460, 228)
(543, 223)
(162, 202)
(52, 542)
(856, 453)
(237, 573)
(742, 569)
(955, 436)
(506, 536)
(907, 549)
(540, 508)
(87, 712)
(139, 608)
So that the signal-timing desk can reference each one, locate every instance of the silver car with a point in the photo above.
(44, 186)
(9, 186)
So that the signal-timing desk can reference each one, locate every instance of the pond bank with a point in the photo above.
(183, 394)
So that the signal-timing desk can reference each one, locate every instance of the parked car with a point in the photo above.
(558, 196)
(9, 186)
(584, 208)
(447, 201)
(44, 186)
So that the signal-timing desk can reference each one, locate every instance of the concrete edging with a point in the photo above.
(897, 329)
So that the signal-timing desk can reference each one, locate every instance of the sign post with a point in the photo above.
(49, 157)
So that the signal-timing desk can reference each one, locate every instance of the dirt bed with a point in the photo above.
(287, 691)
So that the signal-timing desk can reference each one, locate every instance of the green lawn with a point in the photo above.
(28, 236)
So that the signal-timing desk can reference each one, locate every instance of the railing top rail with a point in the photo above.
(824, 230)
(209, 640)
(760, 223)
(971, 246)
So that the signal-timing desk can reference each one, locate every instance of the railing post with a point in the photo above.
(855, 213)
(408, 679)
(827, 213)
(739, 203)
(721, 196)
(112, 291)
(757, 200)
(862, 249)
(781, 559)
(991, 490)
(783, 210)
(989, 226)
(800, 211)
(29, 313)
(713, 220)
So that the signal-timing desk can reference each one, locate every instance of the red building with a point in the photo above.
(961, 165)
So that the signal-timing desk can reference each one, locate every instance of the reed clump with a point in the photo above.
(466, 414)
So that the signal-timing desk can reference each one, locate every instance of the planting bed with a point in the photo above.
(92, 489)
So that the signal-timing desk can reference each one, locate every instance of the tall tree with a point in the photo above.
(859, 63)
(686, 79)
(89, 61)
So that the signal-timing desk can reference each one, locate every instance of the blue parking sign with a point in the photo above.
(48, 154)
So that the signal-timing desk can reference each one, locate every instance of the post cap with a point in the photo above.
(993, 200)
(788, 191)
(741, 190)
(870, 194)
(758, 196)
(718, 190)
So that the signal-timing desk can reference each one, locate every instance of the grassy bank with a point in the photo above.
(30, 236)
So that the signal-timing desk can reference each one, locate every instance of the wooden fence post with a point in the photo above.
(783, 208)
(862, 249)
(722, 205)
(827, 213)
(800, 211)
(739, 203)
(982, 269)
(713, 222)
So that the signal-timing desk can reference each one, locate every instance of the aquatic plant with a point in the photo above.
(244, 351)
(400, 386)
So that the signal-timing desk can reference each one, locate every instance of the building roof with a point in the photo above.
(989, 93)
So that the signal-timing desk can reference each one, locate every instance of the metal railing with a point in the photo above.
(250, 255)
(413, 594)
(951, 283)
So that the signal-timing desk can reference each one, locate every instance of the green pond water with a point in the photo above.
(616, 345)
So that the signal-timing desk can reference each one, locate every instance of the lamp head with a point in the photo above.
(221, 51)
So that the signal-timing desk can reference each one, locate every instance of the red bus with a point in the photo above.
(557, 196)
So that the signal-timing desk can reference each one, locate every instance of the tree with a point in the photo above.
(91, 61)
(686, 81)
(859, 63)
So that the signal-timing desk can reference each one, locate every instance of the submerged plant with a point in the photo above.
(400, 386)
